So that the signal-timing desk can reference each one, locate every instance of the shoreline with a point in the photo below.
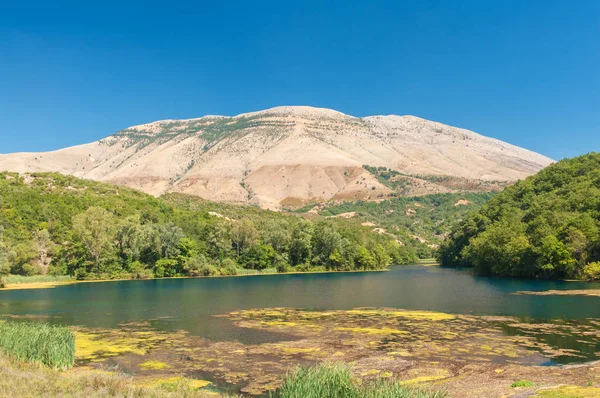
(51, 285)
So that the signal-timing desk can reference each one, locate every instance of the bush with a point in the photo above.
(53, 346)
(199, 266)
(229, 267)
(283, 267)
(139, 271)
(165, 267)
(335, 380)
(2, 283)
(592, 271)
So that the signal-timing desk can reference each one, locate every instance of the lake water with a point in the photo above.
(189, 304)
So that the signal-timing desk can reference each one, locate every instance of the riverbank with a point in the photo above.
(53, 284)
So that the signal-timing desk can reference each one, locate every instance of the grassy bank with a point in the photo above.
(20, 379)
(53, 346)
(20, 279)
(335, 380)
(24, 284)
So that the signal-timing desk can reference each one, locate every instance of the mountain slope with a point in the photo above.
(285, 156)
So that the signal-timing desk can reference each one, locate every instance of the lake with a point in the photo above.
(189, 304)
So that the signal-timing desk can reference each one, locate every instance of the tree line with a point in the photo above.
(62, 225)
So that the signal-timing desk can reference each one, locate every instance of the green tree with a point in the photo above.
(300, 245)
(134, 238)
(169, 238)
(244, 236)
(259, 257)
(277, 234)
(325, 241)
(95, 229)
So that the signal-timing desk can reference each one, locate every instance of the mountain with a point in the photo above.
(291, 156)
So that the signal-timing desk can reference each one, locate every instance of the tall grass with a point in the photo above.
(19, 279)
(22, 380)
(335, 380)
(53, 346)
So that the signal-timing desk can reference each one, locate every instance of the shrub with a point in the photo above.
(199, 266)
(53, 346)
(139, 271)
(521, 383)
(2, 283)
(229, 267)
(165, 267)
(282, 267)
(592, 271)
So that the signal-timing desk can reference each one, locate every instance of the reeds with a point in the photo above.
(19, 279)
(50, 345)
(335, 380)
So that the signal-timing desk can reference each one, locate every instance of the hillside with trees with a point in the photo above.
(421, 222)
(61, 225)
(546, 226)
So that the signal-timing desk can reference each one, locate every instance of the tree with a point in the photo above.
(4, 264)
(134, 238)
(243, 236)
(44, 245)
(259, 257)
(169, 238)
(277, 234)
(325, 241)
(364, 259)
(219, 241)
(300, 245)
(95, 229)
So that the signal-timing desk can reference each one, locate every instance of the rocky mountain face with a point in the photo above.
(291, 156)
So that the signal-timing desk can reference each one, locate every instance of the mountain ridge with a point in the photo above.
(286, 156)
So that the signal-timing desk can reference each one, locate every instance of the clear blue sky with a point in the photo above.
(527, 72)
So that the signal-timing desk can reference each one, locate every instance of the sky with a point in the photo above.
(526, 72)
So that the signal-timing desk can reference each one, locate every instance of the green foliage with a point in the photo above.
(591, 271)
(19, 279)
(522, 383)
(335, 380)
(53, 346)
(546, 226)
(418, 222)
(61, 225)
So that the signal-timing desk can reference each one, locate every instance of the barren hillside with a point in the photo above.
(291, 156)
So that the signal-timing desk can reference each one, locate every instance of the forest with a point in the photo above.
(546, 226)
(61, 225)
(422, 222)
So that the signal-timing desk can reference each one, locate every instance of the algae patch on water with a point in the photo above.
(99, 344)
(154, 365)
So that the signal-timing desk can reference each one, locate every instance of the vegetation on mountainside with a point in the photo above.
(53, 346)
(211, 129)
(62, 225)
(402, 183)
(547, 226)
(335, 380)
(420, 222)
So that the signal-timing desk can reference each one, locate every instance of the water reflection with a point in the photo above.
(190, 304)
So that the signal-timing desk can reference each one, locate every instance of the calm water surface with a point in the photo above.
(190, 304)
